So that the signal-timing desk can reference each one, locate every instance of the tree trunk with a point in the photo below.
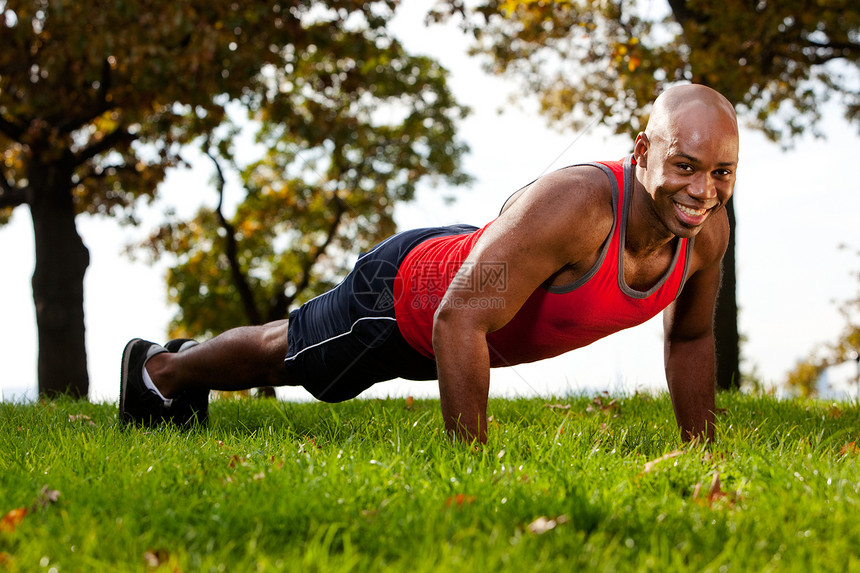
(726, 320)
(58, 280)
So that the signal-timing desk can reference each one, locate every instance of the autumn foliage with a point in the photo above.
(99, 100)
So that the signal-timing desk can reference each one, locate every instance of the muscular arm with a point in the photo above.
(463, 364)
(689, 342)
(563, 219)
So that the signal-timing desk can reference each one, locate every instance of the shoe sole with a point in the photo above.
(126, 358)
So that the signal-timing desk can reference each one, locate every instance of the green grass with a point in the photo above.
(376, 486)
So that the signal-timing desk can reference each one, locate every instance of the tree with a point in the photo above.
(97, 100)
(291, 236)
(804, 378)
(608, 59)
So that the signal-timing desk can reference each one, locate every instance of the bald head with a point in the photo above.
(687, 159)
(691, 116)
(680, 105)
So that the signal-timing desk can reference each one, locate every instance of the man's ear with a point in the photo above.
(640, 150)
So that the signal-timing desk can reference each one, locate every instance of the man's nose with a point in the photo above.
(704, 187)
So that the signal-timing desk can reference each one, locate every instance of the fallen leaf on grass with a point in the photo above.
(12, 519)
(605, 407)
(311, 442)
(81, 418)
(156, 558)
(46, 497)
(649, 466)
(834, 412)
(459, 500)
(708, 457)
(280, 463)
(715, 493)
(849, 448)
(558, 406)
(5, 558)
(409, 402)
(542, 524)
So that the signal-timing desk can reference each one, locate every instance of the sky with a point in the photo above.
(794, 209)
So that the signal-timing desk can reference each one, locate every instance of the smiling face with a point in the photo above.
(687, 158)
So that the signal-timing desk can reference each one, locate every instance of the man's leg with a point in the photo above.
(239, 359)
(157, 385)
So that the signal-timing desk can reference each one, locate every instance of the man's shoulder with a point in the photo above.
(576, 185)
(592, 174)
(571, 208)
(585, 187)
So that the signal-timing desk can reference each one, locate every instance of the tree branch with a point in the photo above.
(340, 209)
(106, 143)
(838, 50)
(681, 11)
(69, 123)
(11, 130)
(282, 302)
(232, 250)
(11, 196)
(103, 171)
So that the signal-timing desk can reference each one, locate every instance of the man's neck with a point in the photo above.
(646, 233)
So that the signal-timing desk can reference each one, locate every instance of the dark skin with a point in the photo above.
(552, 231)
(685, 175)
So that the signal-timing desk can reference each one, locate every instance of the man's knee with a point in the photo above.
(273, 346)
(274, 337)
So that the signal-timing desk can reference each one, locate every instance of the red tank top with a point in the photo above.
(554, 319)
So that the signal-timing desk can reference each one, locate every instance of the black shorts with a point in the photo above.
(346, 340)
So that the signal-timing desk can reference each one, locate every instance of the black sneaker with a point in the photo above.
(180, 344)
(192, 406)
(137, 403)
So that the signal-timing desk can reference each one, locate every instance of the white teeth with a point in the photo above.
(691, 212)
